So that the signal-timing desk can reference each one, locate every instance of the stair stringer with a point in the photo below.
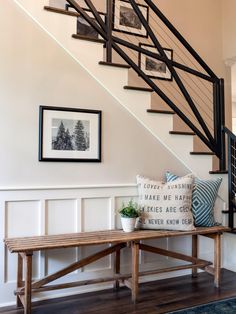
(87, 55)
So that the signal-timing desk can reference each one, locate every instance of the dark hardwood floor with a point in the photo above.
(155, 297)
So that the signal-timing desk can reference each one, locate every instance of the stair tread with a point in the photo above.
(118, 65)
(82, 37)
(64, 11)
(182, 133)
(219, 172)
(160, 111)
(202, 153)
(233, 231)
(60, 11)
(138, 88)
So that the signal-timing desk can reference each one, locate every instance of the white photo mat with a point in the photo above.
(160, 69)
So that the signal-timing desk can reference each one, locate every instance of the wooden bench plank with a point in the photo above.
(36, 243)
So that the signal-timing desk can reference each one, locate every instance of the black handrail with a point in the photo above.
(215, 142)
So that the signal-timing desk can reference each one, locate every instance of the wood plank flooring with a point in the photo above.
(155, 297)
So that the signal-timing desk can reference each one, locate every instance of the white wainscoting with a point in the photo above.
(53, 210)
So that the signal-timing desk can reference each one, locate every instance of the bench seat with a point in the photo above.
(26, 246)
(36, 243)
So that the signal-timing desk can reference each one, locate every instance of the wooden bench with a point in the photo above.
(25, 247)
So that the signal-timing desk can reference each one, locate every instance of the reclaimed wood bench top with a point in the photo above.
(36, 243)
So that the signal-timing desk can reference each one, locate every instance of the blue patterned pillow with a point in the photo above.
(203, 199)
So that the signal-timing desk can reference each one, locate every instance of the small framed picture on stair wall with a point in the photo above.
(83, 27)
(125, 19)
(152, 67)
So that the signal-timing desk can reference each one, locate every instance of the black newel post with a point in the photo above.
(222, 124)
(109, 19)
(219, 121)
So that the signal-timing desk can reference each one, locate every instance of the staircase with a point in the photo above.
(113, 73)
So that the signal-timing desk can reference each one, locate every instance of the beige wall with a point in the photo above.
(200, 23)
(229, 28)
(35, 71)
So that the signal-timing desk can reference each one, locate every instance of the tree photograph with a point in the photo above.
(70, 135)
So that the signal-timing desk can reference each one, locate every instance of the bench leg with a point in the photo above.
(194, 253)
(28, 282)
(19, 282)
(135, 270)
(217, 259)
(117, 268)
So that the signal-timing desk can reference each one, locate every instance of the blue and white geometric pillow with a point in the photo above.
(203, 199)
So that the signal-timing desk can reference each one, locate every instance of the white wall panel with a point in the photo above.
(104, 263)
(11, 271)
(57, 259)
(181, 244)
(154, 258)
(39, 211)
(206, 246)
(61, 216)
(96, 216)
(22, 218)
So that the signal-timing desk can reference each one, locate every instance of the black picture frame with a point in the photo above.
(155, 69)
(125, 20)
(69, 134)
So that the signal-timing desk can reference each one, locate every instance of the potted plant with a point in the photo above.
(129, 214)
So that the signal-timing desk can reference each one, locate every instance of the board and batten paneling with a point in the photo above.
(54, 210)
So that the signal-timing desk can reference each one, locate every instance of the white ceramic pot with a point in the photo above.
(128, 224)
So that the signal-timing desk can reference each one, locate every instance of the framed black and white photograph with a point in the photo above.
(68, 134)
(125, 19)
(152, 67)
(83, 27)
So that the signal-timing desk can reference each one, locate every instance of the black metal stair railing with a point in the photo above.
(213, 137)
